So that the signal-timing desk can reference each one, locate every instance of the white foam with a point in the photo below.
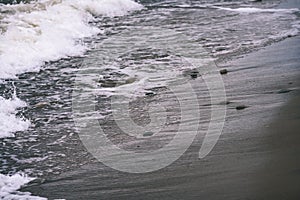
(256, 10)
(9, 184)
(9, 122)
(49, 30)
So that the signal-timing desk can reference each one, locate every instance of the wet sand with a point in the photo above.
(257, 156)
(281, 174)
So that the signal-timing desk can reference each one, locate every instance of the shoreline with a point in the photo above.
(250, 161)
(264, 81)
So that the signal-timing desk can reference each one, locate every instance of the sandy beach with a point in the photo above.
(257, 156)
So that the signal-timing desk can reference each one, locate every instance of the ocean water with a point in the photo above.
(133, 47)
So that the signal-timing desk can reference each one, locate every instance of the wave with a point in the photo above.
(43, 31)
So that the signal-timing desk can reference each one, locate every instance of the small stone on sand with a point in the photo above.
(150, 93)
(282, 91)
(241, 107)
(194, 75)
(223, 71)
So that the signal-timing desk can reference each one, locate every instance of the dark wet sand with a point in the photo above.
(257, 156)
(281, 174)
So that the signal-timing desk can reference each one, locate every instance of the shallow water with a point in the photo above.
(134, 51)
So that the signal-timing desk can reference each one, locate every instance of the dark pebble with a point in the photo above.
(194, 74)
(283, 91)
(150, 93)
(241, 107)
(223, 71)
(221, 48)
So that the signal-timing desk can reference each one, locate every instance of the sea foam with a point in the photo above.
(9, 122)
(9, 184)
(43, 31)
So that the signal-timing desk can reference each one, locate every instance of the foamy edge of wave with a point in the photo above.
(9, 184)
(9, 122)
(50, 30)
